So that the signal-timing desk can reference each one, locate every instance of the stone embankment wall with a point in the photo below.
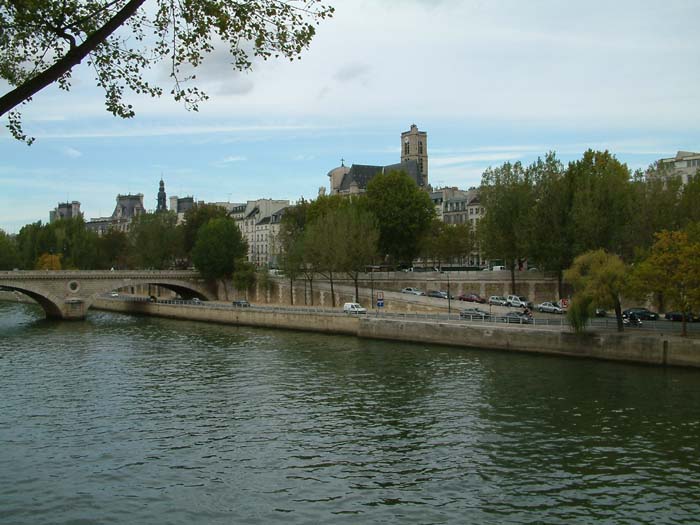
(648, 349)
(534, 285)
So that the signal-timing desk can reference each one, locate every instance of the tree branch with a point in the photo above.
(74, 56)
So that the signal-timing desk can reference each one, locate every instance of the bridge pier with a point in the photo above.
(73, 310)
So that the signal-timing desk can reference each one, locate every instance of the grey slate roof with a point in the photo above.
(361, 174)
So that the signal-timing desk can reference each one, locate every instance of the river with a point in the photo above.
(122, 419)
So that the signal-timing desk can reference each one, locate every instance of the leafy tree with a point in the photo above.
(43, 40)
(601, 205)
(113, 249)
(550, 243)
(599, 279)
(219, 245)
(322, 248)
(48, 261)
(672, 269)
(688, 209)
(291, 244)
(243, 275)
(358, 235)
(507, 195)
(655, 206)
(9, 256)
(196, 217)
(404, 213)
(34, 240)
(155, 241)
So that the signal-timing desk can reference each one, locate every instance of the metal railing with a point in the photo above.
(607, 323)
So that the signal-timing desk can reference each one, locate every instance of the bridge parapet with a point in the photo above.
(68, 294)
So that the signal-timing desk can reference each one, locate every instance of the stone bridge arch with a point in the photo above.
(69, 294)
(52, 305)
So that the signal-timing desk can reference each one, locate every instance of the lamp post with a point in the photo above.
(449, 296)
(371, 278)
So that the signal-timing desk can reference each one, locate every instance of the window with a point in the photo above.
(420, 147)
(405, 147)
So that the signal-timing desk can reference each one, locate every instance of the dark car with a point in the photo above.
(241, 303)
(471, 297)
(516, 318)
(600, 312)
(474, 314)
(642, 313)
(678, 316)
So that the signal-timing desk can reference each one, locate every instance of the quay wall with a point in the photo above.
(647, 349)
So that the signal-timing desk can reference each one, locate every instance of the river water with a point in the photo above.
(123, 419)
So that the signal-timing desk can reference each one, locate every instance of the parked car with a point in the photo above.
(474, 314)
(498, 300)
(471, 297)
(516, 318)
(678, 316)
(437, 293)
(354, 308)
(499, 269)
(550, 308)
(412, 291)
(643, 313)
(196, 300)
(518, 301)
(241, 303)
(600, 312)
(114, 294)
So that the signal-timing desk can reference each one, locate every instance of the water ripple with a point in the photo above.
(137, 420)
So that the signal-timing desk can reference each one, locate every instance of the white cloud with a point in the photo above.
(72, 153)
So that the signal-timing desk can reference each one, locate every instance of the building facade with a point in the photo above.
(65, 210)
(254, 219)
(127, 208)
(686, 165)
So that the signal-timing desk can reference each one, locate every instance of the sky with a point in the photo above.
(490, 81)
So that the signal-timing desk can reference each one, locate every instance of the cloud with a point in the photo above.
(233, 158)
(72, 153)
(352, 72)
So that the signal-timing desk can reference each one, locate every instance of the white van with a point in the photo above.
(498, 268)
(354, 308)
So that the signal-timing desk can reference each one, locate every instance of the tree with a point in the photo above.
(550, 244)
(291, 244)
(404, 213)
(322, 248)
(48, 261)
(243, 275)
(601, 205)
(43, 40)
(9, 256)
(673, 270)
(219, 245)
(599, 279)
(358, 234)
(113, 249)
(507, 195)
(155, 241)
(196, 217)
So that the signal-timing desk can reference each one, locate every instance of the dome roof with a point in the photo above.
(339, 171)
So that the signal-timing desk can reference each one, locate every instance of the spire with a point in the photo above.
(161, 197)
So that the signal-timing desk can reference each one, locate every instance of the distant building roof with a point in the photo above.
(361, 174)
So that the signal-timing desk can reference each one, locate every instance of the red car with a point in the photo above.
(472, 298)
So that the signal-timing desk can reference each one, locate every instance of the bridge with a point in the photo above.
(69, 294)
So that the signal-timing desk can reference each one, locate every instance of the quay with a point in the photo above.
(661, 349)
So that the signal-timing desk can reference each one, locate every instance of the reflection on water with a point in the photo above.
(139, 420)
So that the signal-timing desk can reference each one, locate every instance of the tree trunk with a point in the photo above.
(560, 283)
(684, 326)
(330, 278)
(618, 315)
(291, 291)
(512, 278)
(76, 55)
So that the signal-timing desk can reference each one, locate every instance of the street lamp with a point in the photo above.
(449, 296)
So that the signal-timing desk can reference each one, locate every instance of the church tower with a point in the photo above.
(161, 198)
(414, 146)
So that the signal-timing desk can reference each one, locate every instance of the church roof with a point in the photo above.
(361, 174)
